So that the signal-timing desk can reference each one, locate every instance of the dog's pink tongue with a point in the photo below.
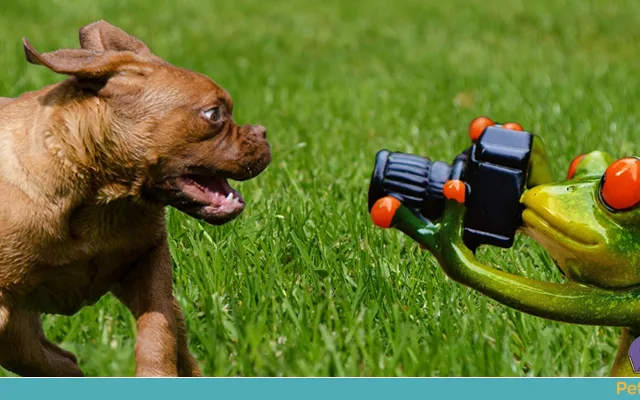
(221, 194)
(215, 185)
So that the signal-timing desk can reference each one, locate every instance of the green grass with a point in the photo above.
(303, 284)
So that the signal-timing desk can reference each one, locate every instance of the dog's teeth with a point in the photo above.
(230, 196)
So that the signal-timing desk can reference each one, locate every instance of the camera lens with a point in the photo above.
(416, 181)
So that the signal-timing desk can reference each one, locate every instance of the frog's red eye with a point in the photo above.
(478, 125)
(620, 189)
(574, 166)
(514, 126)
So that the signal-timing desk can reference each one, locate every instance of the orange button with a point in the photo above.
(383, 211)
(477, 127)
(454, 189)
(514, 126)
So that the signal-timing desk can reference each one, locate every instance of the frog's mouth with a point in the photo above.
(536, 225)
(566, 220)
(553, 217)
(549, 221)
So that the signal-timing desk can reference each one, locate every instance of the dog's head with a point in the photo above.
(175, 126)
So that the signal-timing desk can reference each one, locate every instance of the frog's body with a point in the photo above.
(590, 243)
(596, 247)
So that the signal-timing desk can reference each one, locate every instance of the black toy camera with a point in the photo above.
(494, 169)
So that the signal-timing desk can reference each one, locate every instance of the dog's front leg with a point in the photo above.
(147, 292)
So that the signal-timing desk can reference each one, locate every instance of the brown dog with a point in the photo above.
(87, 167)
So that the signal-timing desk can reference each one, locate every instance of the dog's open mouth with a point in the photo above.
(211, 198)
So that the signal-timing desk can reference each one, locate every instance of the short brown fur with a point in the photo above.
(87, 168)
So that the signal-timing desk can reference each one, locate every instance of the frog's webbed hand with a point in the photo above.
(389, 212)
(569, 302)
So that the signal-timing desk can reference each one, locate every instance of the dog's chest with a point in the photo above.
(102, 247)
(65, 289)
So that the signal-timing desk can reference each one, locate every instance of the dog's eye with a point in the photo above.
(213, 114)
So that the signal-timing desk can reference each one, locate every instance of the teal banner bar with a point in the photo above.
(320, 388)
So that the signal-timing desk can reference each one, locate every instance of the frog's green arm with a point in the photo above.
(539, 171)
(569, 302)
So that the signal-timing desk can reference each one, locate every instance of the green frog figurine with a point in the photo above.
(589, 224)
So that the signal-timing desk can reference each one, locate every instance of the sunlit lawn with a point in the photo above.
(303, 284)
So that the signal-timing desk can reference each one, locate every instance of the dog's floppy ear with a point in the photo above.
(102, 36)
(82, 63)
